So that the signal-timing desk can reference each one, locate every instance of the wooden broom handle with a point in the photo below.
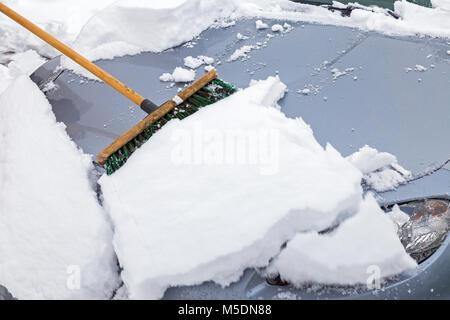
(82, 61)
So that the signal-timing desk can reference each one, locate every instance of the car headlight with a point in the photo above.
(427, 227)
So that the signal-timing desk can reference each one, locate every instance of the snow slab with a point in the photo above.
(380, 169)
(227, 193)
(55, 239)
(122, 27)
(361, 245)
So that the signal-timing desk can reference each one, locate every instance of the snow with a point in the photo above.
(261, 25)
(20, 63)
(380, 169)
(441, 4)
(175, 22)
(420, 68)
(220, 171)
(178, 75)
(102, 29)
(241, 52)
(368, 159)
(194, 63)
(52, 228)
(277, 28)
(287, 27)
(338, 73)
(5, 78)
(63, 19)
(305, 91)
(240, 36)
(347, 255)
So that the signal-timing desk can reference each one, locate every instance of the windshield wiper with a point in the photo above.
(345, 11)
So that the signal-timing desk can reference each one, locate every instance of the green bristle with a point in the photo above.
(209, 94)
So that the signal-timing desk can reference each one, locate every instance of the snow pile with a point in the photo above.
(55, 241)
(380, 169)
(178, 75)
(239, 188)
(20, 63)
(362, 243)
(62, 19)
(194, 63)
(107, 28)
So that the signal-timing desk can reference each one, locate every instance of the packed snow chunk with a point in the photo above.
(166, 77)
(420, 68)
(183, 75)
(55, 237)
(277, 28)
(194, 63)
(178, 75)
(368, 159)
(304, 91)
(240, 36)
(363, 243)
(381, 169)
(261, 25)
(238, 188)
(240, 53)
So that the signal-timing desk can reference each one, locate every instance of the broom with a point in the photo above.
(206, 90)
